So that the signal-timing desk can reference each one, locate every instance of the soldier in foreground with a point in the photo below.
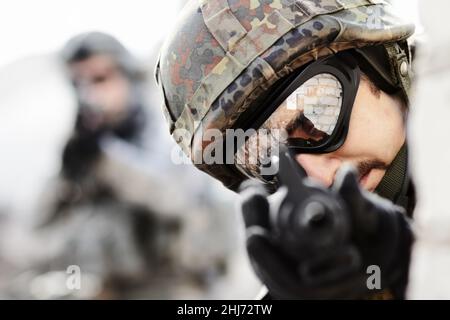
(285, 93)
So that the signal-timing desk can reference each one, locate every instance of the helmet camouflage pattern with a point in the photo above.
(224, 54)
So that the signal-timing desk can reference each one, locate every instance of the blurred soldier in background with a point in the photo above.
(115, 210)
(108, 84)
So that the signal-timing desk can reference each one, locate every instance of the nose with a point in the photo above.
(320, 167)
(84, 92)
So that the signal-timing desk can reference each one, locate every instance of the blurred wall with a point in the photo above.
(429, 134)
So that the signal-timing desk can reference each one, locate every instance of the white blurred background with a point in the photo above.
(35, 27)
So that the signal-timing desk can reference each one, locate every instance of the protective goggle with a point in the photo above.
(309, 112)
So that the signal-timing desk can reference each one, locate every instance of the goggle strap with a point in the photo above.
(400, 66)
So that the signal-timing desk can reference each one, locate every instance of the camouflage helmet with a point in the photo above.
(224, 54)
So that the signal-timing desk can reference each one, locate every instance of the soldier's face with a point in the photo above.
(376, 134)
(101, 88)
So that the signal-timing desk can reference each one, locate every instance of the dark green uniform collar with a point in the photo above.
(396, 185)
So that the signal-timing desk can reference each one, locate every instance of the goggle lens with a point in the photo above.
(310, 114)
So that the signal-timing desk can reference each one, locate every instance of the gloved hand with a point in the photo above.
(381, 231)
(309, 242)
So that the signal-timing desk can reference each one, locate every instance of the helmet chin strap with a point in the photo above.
(396, 184)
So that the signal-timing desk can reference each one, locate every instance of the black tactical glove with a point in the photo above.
(309, 242)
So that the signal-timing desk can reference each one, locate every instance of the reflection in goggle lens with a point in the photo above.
(311, 112)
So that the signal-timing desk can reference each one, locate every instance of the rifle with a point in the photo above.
(308, 223)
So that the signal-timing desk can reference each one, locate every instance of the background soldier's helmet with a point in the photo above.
(87, 44)
(223, 55)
